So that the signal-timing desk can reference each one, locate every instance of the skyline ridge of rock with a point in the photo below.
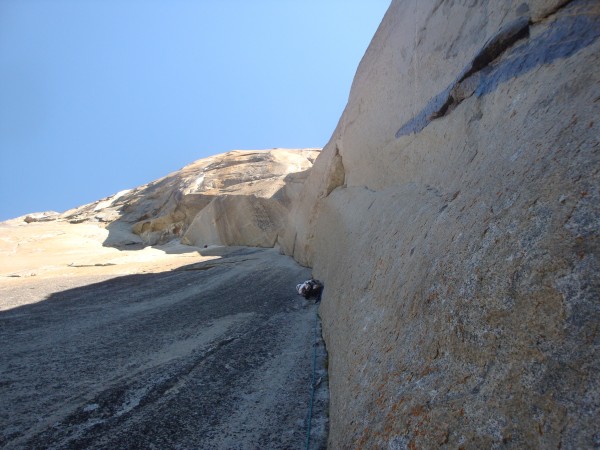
(240, 197)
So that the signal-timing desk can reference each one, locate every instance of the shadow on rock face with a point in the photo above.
(187, 358)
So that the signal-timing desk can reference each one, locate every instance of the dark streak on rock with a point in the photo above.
(498, 44)
(576, 26)
(426, 115)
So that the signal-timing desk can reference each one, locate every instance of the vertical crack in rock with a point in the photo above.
(576, 26)
(336, 175)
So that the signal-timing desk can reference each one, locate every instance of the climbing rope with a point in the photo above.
(314, 371)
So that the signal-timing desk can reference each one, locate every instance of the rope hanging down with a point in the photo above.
(314, 371)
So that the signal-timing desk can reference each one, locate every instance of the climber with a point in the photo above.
(310, 288)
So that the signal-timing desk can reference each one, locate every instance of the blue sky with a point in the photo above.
(97, 96)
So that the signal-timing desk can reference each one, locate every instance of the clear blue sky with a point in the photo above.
(97, 96)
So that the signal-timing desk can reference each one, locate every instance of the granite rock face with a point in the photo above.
(454, 218)
(239, 197)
